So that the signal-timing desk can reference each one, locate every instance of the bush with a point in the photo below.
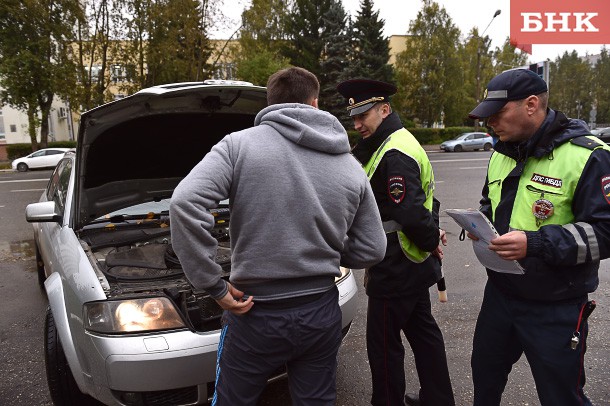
(14, 151)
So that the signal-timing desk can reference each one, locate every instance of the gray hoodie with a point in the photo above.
(301, 206)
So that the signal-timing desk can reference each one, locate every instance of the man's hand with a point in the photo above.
(511, 246)
(233, 301)
(438, 251)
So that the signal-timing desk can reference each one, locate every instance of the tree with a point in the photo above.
(35, 38)
(601, 91)
(371, 48)
(335, 60)
(428, 70)
(507, 57)
(261, 39)
(571, 89)
(178, 46)
(304, 29)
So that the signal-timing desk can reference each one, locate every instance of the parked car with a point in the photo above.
(43, 158)
(472, 141)
(602, 133)
(124, 325)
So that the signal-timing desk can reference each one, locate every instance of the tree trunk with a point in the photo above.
(32, 128)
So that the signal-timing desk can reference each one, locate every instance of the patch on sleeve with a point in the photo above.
(396, 188)
(606, 187)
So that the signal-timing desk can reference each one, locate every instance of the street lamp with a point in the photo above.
(479, 40)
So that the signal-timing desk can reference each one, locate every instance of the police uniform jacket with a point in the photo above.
(562, 261)
(396, 275)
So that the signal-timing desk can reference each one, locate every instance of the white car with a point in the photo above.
(43, 158)
(124, 325)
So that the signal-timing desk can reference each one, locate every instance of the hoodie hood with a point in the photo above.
(307, 126)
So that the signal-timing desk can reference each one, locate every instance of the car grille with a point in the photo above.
(172, 397)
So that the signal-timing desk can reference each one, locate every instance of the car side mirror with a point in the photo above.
(42, 212)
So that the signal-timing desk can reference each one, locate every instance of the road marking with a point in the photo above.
(24, 180)
(461, 160)
(27, 190)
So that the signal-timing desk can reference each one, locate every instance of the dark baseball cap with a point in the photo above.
(515, 84)
(362, 94)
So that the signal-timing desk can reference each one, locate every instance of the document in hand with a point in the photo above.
(475, 222)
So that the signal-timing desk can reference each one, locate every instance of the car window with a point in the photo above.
(481, 136)
(54, 152)
(58, 185)
(470, 137)
(37, 154)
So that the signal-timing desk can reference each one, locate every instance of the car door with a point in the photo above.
(479, 140)
(52, 157)
(37, 159)
(49, 242)
(469, 142)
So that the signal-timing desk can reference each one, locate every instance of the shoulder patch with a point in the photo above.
(396, 188)
(585, 142)
(606, 187)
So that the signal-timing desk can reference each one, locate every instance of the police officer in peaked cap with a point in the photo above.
(402, 180)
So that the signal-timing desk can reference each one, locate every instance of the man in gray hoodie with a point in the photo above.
(301, 206)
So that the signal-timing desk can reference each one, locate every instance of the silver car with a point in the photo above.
(472, 141)
(124, 325)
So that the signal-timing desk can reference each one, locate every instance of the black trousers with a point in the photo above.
(386, 319)
(507, 328)
(253, 346)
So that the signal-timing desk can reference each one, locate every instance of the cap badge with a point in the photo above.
(351, 101)
(543, 209)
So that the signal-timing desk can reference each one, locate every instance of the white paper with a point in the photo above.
(475, 222)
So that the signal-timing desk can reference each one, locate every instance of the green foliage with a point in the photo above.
(15, 151)
(178, 47)
(371, 49)
(34, 48)
(571, 90)
(335, 61)
(304, 28)
(428, 71)
(260, 43)
(601, 88)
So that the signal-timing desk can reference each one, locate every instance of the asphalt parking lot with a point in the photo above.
(459, 180)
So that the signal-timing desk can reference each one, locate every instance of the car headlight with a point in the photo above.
(131, 316)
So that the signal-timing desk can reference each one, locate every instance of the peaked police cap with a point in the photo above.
(362, 94)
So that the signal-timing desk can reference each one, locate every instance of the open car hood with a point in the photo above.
(138, 149)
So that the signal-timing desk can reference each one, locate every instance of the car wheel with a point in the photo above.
(21, 167)
(487, 147)
(458, 148)
(62, 386)
(40, 268)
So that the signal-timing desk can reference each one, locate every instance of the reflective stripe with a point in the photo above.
(391, 226)
(592, 240)
(497, 94)
(221, 343)
(582, 246)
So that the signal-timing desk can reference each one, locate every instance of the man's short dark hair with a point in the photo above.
(292, 85)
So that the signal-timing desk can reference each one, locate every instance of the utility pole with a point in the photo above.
(480, 40)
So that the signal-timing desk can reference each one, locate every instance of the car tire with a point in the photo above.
(458, 148)
(62, 386)
(22, 167)
(487, 147)
(40, 268)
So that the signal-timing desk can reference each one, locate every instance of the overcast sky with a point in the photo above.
(464, 13)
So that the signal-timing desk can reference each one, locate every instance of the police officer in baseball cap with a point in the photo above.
(546, 193)
(397, 288)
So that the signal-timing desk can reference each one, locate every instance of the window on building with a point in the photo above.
(94, 72)
(13, 128)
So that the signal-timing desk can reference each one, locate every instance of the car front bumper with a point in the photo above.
(179, 366)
